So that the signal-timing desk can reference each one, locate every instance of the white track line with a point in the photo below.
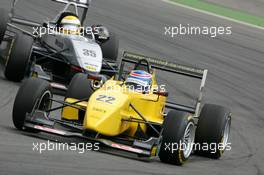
(213, 14)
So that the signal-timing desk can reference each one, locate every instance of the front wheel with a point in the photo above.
(177, 138)
(33, 92)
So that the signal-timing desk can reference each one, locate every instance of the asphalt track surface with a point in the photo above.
(236, 71)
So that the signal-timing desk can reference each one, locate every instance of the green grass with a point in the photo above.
(223, 11)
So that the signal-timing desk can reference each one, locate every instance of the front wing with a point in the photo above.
(39, 121)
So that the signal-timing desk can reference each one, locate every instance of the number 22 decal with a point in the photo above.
(105, 98)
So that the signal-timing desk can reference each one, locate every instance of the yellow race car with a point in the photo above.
(128, 113)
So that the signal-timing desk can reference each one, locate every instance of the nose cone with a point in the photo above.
(104, 112)
(89, 59)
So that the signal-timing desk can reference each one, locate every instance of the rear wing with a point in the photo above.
(164, 65)
(78, 3)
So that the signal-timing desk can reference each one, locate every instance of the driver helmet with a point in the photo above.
(70, 25)
(139, 81)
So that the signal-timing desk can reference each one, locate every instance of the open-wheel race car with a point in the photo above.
(57, 49)
(128, 113)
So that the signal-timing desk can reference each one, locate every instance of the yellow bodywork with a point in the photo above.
(108, 109)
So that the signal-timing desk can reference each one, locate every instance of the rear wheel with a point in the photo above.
(110, 47)
(32, 91)
(177, 138)
(18, 61)
(213, 130)
(3, 23)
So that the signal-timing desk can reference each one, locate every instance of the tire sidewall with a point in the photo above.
(28, 94)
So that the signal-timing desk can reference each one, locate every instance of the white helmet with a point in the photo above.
(70, 25)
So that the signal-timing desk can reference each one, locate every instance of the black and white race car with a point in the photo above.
(62, 50)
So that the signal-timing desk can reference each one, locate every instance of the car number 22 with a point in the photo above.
(106, 99)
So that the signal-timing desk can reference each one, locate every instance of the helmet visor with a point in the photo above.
(70, 28)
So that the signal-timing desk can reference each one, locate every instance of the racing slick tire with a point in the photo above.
(80, 87)
(177, 138)
(32, 91)
(3, 23)
(17, 62)
(213, 129)
(110, 47)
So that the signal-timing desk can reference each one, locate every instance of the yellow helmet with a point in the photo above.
(70, 25)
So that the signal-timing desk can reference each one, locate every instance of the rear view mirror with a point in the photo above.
(161, 93)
